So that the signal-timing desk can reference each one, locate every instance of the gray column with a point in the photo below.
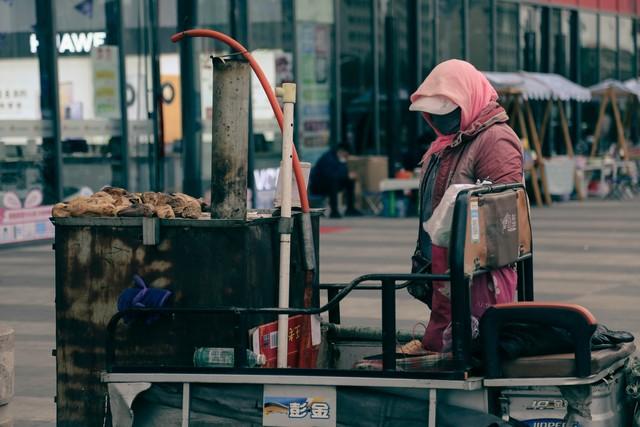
(231, 86)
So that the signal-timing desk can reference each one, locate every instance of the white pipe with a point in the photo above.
(286, 171)
(186, 404)
(433, 406)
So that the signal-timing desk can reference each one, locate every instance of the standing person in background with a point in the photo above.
(330, 176)
(474, 143)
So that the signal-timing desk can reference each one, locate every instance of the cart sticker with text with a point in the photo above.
(548, 422)
(299, 406)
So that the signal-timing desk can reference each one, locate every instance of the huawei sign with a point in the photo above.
(73, 42)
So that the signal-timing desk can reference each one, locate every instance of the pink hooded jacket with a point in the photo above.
(484, 148)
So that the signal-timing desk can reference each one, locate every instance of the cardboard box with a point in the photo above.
(370, 171)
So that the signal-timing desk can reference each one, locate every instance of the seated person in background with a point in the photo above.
(330, 176)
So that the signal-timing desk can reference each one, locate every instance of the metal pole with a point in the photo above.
(49, 101)
(157, 159)
(295, 50)
(618, 47)
(337, 75)
(433, 406)
(376, 76)
(115, 37)
(419, 64)
(334, 313)
(231, 86)
(436, 32)
(494, 35)
(459, 284)
(243, 35)
(414, 43)
(388, 325)
(189, 78)
(575, 73)
(392, 93)
(528, 277)
(288, 92)
(465, 29)
(186, 404)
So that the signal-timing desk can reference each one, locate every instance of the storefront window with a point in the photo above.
(356, 61)
(450, 30)
(626, 56)
(26, 173)
(89, 98)
(530, 37)
(214, 14)
(480, 34)
(400, 14)
(507, 35)
(314, 75)
(271, 28)
(560, 42)
(306, 59)
(637, 45)
(589, 74)
(427, 21)
(608, 47)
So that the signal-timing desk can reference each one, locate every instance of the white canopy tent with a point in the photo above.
(553, 88)
(614, 86)
(609, 92)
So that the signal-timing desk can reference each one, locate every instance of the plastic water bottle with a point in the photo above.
(222, 357)
(401, 207)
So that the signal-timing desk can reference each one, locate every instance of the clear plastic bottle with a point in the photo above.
(223, 357)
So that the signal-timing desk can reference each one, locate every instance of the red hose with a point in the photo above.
(234, 44)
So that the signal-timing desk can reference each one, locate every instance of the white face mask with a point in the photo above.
(342, 160)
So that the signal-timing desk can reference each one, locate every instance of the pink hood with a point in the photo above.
(464, 85)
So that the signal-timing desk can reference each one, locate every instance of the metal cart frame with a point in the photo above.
(455, 375)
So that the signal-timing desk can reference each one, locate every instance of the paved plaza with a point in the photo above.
(585, 253)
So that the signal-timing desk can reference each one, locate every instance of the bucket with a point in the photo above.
(295, 197)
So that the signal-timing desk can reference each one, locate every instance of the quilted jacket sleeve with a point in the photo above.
(499, 156)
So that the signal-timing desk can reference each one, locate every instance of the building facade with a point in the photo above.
(86, 84)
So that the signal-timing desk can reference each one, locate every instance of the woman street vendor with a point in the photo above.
(474, 143)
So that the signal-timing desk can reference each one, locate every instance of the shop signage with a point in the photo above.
(106, 95)
(299, 406)
(314, 119)
(24, 222)
(75, 42)
(265, 182)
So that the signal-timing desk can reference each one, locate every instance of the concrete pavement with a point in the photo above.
(586, 253)
(27, 305)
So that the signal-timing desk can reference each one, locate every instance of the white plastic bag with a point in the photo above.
(439, 225)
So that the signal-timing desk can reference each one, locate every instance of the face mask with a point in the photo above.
(446, 124)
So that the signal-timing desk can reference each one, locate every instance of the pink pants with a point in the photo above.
(497, 287)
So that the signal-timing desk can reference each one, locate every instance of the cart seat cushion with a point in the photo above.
(563, 365)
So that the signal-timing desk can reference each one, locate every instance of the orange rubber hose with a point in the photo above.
(234, 44)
